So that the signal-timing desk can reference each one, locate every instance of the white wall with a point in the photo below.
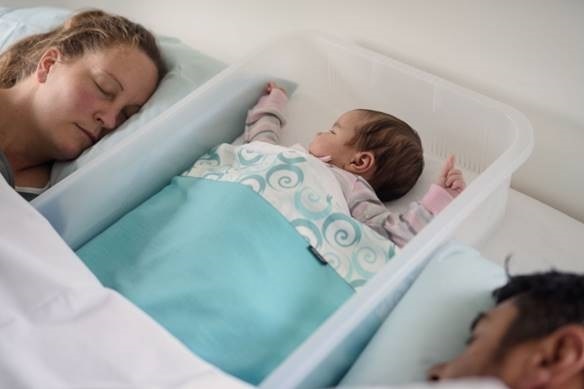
(527, 53)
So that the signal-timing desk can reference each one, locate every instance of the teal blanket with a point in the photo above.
(221, 270)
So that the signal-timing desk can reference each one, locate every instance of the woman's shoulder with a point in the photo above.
(34, 177)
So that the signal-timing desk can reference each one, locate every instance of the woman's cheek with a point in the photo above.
(83, 100)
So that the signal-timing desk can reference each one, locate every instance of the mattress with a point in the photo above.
(537, 236)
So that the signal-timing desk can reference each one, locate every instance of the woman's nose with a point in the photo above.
(435, 372)
(107, 118)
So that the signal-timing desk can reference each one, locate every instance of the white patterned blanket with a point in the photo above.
(304, 190)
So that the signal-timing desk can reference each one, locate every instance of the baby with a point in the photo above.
(374, 156)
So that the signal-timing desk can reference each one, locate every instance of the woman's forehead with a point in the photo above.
(128, 66)
(123, 58)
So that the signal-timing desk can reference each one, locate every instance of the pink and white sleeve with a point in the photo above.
(399, 228)
(265, 120)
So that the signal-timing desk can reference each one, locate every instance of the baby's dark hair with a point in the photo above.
(546, 301)
(399, 157)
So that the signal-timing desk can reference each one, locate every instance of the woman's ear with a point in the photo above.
(362, 163)
(46, 63)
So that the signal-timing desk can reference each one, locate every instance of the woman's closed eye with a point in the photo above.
(104, 92)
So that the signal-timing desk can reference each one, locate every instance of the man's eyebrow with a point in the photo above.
(476, 320)
(115, 79)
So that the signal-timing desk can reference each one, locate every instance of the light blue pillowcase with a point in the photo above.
(432, 321)
(187, 69)
(16, 23)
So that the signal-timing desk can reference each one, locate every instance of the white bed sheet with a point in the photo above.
(451, 384)
(60, 328)
(539, 237)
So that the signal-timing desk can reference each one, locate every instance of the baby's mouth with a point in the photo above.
(325, 158)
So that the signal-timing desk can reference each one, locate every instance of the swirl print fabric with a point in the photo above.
(308, 195)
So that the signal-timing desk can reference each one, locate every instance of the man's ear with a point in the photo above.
(46, 63)
(568, 358)
(558, 360)
(362, 163)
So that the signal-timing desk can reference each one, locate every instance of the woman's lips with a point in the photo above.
(91, 137)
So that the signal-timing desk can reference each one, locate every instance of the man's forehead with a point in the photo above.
(504, 311)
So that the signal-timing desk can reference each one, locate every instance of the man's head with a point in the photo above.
(533, 338)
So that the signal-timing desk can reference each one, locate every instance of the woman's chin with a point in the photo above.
(71, 150)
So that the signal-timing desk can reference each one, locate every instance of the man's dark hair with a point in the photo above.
(545, 301)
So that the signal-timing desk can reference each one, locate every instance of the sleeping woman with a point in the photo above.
(63, 90)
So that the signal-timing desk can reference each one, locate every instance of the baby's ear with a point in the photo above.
(363, 162)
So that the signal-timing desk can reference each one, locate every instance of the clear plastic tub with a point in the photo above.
(491, 140)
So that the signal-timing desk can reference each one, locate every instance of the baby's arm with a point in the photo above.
(266, 119)
(401, 228)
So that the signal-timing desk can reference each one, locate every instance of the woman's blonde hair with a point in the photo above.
(86, 31)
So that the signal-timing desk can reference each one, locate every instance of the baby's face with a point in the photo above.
(332, 145)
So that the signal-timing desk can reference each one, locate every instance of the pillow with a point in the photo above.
(16, 23)
(432, 321)
(187, 69)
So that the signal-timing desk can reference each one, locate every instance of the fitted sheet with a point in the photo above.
(537, 236)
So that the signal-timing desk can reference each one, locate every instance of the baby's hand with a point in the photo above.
(271, 86)
(451, 178)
